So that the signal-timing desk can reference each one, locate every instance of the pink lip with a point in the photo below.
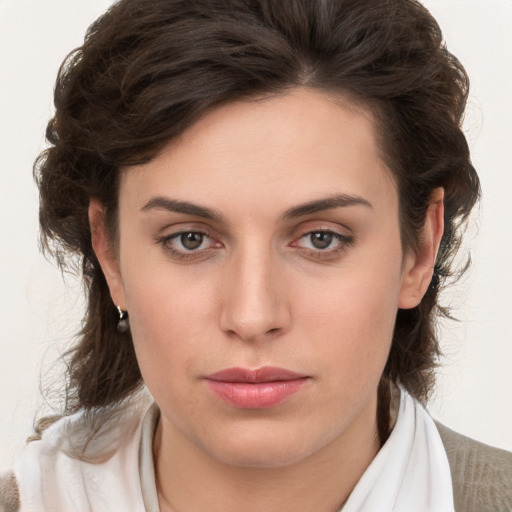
(255, 389)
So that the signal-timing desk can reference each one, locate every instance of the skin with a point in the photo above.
(258, 292)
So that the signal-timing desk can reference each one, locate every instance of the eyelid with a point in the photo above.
(323, 225)
(339, 236)
(171, 233)
(314, 226)
(344, 236)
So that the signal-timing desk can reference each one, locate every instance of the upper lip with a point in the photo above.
(263, 374)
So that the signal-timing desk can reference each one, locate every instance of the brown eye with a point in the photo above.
(191, 241)
(187, 242)
(189, 245)
(321, 239)
(324, 243)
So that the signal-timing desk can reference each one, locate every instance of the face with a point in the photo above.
(261, 265)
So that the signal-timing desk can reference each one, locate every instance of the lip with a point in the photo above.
(261, 388)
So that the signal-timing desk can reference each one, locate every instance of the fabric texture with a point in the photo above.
(481, 475)
(146, 461)
(86, 462)
(9, 493)
(411, 471)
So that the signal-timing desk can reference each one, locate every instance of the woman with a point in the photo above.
(266, 197)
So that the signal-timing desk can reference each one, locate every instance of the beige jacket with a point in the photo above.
(481, 475)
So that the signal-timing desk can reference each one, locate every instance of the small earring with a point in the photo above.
(122, 324)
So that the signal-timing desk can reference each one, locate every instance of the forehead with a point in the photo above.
(282, 150)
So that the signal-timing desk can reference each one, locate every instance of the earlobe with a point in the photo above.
(103, 250)
(419, 265)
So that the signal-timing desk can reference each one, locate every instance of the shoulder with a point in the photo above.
(481, 474)
(78, 462)
(9, 493)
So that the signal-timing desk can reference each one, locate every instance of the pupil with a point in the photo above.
(191, 240)
(321, 240)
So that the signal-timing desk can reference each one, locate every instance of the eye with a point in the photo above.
(191, 241)
(320, 239)
(186, 244)
(323, 243)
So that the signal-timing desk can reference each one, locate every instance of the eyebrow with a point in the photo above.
(328, 203)
(318, 205)
(175, 205)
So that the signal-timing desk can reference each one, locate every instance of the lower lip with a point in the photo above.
(261, 395)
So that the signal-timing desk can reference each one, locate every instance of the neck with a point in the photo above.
(189, 479)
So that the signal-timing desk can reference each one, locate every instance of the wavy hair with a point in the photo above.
(148, 69)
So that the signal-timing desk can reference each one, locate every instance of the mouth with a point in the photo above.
(261, 388)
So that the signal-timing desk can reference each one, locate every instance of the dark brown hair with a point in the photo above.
(148, 69)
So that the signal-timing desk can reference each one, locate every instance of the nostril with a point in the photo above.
(253, 310)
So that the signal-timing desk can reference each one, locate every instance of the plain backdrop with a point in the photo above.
(39, 312)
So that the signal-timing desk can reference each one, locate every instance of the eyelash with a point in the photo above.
(344, 242)
(166, 240)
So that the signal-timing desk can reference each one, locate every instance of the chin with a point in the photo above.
(265, 448)
(272, 457)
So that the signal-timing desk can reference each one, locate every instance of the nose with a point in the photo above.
(254, 306)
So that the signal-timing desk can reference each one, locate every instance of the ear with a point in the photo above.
(419, 264)
(103, 250)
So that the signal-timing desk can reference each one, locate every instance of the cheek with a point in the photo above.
(170, 319)
(353, 318)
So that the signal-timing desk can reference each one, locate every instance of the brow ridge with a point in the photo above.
(179, 206)
(327, 203)
(317, 205)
